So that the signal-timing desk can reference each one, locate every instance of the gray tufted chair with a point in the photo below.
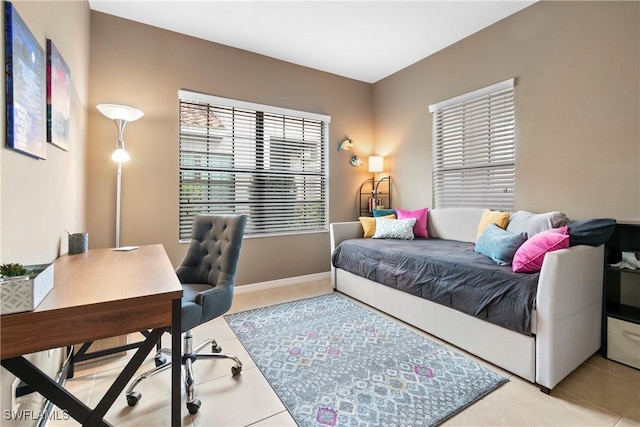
(207, 274)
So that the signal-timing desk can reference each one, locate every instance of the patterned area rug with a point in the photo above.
(334, 362)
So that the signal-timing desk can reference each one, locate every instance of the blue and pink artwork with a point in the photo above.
(58, 98)
(25, 83)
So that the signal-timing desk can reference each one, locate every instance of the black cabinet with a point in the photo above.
(621, 313)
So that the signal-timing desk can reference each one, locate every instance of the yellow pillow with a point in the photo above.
(369, 224)
(501, 219)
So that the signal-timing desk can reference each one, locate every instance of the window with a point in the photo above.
(474, 150)
(266, 162)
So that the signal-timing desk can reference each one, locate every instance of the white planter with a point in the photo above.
(24, 293)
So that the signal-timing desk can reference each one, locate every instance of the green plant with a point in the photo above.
(12, 269)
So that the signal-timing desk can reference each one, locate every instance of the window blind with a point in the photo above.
(266, 162)
(474, 149)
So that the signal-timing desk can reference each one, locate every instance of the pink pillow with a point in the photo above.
(420, 229)
(528, 258)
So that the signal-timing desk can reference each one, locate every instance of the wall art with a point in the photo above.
(26, 85)
(58, 98)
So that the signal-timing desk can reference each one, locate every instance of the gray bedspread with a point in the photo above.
(447, 272)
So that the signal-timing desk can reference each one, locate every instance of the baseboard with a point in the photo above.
(289, 281)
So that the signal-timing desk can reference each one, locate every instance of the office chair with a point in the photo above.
(207, 274)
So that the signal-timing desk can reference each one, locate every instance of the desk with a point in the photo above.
(98, 294)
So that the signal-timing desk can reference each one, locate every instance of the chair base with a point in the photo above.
(189, 357)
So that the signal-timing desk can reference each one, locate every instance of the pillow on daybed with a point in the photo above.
(420, 229)
(383, 212)
(532, 223)
(498, 244)
(592, 232)
(501, 219)
(394, 228)
(369, 224)
(528, 258)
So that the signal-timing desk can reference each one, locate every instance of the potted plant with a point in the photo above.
(12, 270)
(22, 288)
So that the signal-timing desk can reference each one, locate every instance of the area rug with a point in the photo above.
(334, 362)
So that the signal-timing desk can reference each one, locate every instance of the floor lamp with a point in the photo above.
(121, 115)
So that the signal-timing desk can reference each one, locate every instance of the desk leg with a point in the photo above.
(176, 362)
(39, 381)
(127, 373)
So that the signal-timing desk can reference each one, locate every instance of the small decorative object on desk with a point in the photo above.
(78, 243)
(23, 288)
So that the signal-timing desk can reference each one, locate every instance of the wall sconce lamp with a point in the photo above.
(121, 115)
(345, 144)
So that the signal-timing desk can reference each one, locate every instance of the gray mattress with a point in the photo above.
(447, 272)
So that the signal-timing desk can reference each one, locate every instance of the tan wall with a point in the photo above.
(39, 199)
(144, 67)
(577, 93)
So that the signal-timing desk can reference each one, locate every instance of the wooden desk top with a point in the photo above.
(98, 294)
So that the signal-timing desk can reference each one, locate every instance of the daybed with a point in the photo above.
(565, 307)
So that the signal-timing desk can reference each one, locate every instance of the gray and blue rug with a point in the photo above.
(334, 362)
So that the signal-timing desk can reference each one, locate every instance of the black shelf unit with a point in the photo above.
(625, 238)
(372, 190)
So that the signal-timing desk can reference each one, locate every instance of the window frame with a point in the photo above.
(261, 150)
(474, 149)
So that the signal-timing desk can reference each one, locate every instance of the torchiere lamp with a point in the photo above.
(121, 115)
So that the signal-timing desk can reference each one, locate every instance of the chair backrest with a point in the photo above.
(212, 257)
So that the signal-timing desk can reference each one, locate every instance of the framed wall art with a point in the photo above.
(58, 98)
(26, 86)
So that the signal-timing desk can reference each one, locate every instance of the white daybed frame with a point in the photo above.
(566, 322)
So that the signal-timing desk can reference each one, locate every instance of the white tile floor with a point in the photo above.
(598, 393)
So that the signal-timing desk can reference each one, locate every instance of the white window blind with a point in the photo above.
(474, 149)
(266, 162)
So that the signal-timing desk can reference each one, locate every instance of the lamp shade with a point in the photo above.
(122, 112)
(376, 164)
(120, 155)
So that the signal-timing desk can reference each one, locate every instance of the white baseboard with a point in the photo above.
(289, 281)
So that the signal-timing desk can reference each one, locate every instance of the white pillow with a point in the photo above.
(532, 224)
(394, 228)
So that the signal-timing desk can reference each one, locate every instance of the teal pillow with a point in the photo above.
(384, 212)
(498, 244)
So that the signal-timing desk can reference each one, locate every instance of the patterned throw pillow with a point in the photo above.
(394, 228)
(369, 225)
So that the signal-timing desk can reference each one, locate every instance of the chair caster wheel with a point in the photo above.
(215, 348)
(194, 406)
(159, 361)
(235, 370)
(133, 398)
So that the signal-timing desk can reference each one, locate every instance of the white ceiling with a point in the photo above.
(362, 40)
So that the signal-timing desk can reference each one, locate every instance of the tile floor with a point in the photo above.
(598, 393)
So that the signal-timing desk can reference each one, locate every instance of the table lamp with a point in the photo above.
(376, 164)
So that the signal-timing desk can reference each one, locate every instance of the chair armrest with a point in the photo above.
(217, 300)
